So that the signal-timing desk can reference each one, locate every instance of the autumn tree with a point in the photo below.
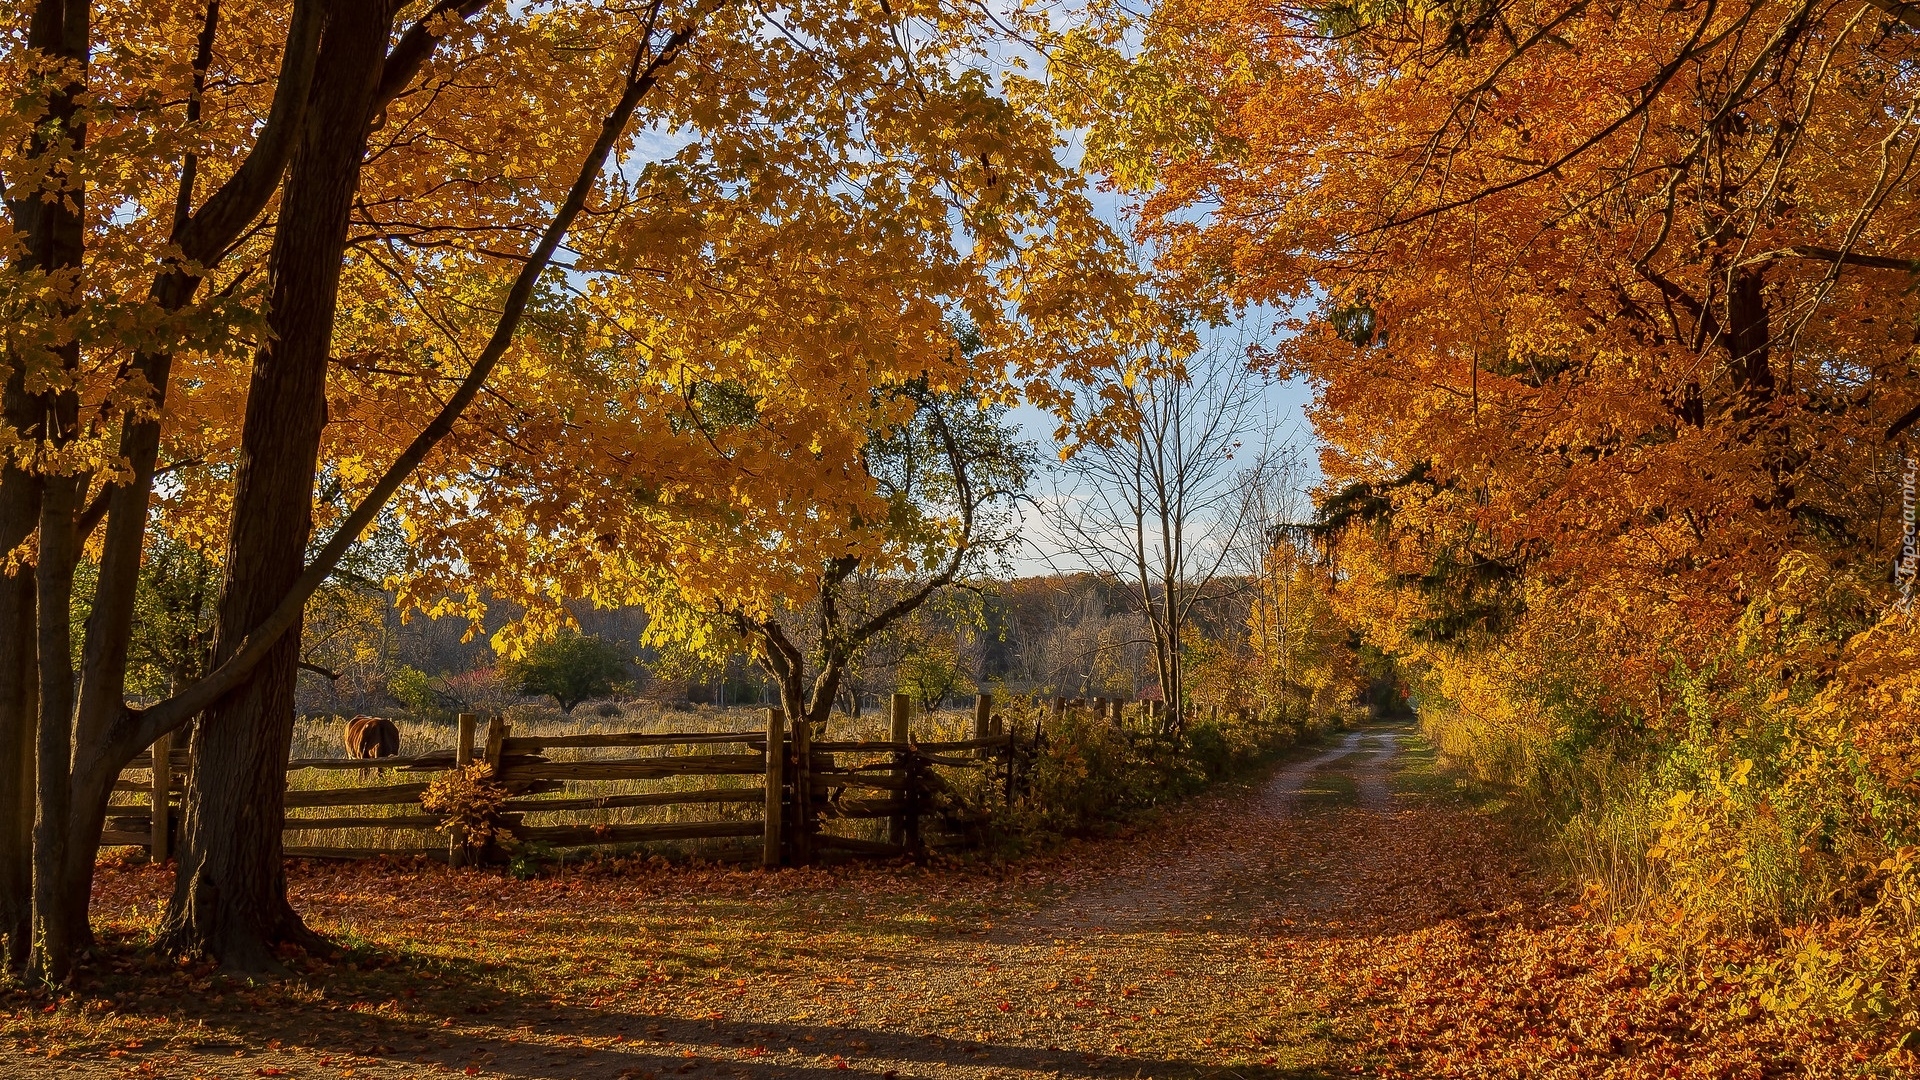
(946, 474)
(1275, 556)
(72, 477)
(857, 544)
(327, 239)
(928, 508)
(56, 449)
(1584, 331)
(931, 669)
(1608, 312)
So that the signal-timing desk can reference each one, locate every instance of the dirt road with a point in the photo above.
(1204, 944)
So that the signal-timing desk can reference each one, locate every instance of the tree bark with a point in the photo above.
(1749, 344)
(801, 699)
(108, 734)
(19, 511)
(58, 930)
(50, 222)
(230, 899)
(19, 516)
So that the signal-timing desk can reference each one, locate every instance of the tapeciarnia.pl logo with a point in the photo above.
(1904, 570)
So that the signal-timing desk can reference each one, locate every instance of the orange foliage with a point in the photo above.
(1609, 317)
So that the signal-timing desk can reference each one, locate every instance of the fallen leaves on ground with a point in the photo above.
(1257, 932)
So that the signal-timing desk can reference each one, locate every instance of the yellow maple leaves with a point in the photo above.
(809, 205)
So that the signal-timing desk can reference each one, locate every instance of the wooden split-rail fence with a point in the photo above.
(1146, 716)
(807, 789)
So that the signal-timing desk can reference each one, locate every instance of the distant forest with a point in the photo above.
(1069, 634)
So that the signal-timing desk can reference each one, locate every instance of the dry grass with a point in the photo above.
(1595, 811)
(320, 737)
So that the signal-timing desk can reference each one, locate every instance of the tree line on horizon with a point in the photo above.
(1063, 634)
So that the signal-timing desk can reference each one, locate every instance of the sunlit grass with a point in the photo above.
(321, 737)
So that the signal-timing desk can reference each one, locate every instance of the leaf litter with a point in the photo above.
(1260, 932)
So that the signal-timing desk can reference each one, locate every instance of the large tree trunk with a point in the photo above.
(818, 708)
(1749, 343)
(801, 700)
(793, 695)
(19, 516)
(50, 221)
(58, 928)
(107, 735)
(104, 739)
(19, 512)
(230, 897)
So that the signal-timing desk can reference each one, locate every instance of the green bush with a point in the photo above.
(570, 668)
(413, 688)
(1207, 744)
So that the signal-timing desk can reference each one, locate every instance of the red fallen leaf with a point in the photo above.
(838, 1061)
(474, 1070)
(269, 1070)
(1005, 1007)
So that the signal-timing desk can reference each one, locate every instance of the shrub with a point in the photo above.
(932, 673)
(570, 668)
(1207, 745)
(1758, 824)
(472, 804)
(413, 689)
(1082, 775)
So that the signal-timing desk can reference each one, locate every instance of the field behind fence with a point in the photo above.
(686, 782)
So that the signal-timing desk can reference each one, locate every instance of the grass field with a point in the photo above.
(321, 737)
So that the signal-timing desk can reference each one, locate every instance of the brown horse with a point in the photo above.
(372, 737)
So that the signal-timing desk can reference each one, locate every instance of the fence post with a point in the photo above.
(982, 721)
(997, 727)
(802, 792)
(496, 738)
(912, 798)
(162, 783)
(900, 717)
(462, 757)
(776, 757)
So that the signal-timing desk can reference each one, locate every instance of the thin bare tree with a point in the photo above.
(1152, 490)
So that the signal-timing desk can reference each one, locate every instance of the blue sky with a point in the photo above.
(1285, 403)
